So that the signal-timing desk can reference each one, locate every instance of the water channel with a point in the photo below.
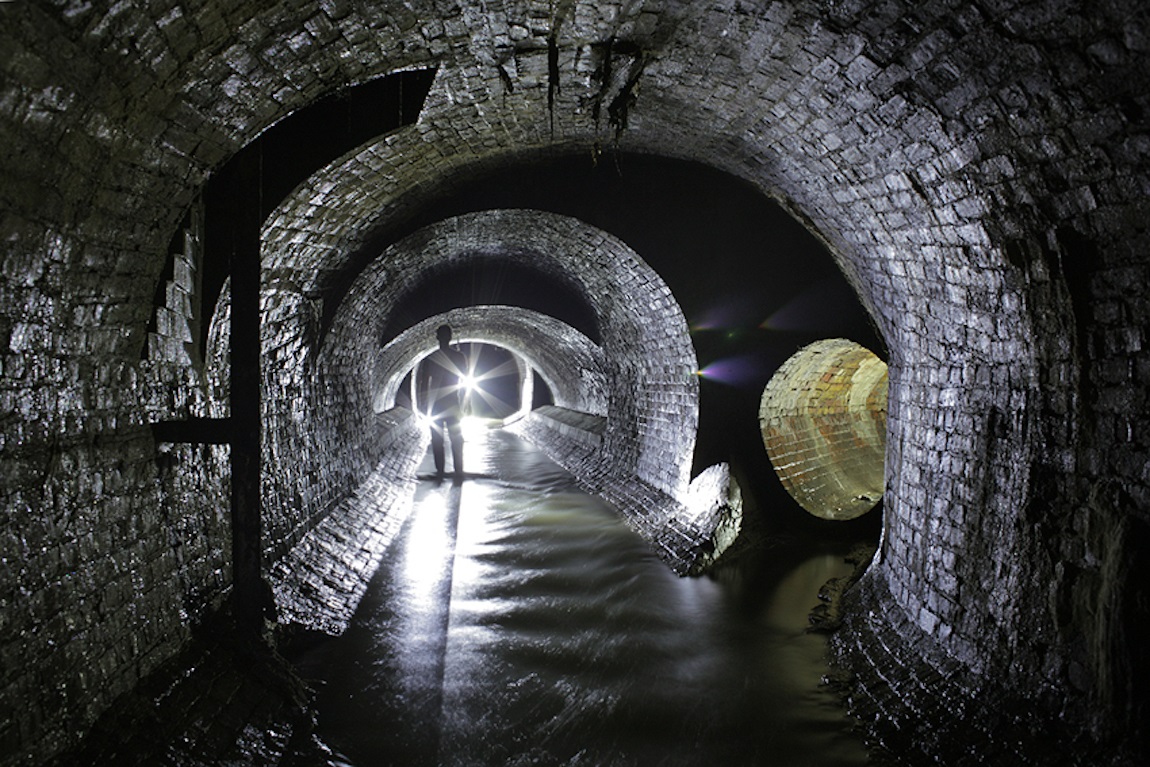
(516, 620)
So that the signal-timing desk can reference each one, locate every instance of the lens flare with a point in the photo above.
(744, 370)
(472, 380)
(817, 309)
(734, 312)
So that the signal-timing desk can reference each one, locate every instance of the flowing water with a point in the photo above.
(517, 620)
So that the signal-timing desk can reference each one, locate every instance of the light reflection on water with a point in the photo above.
(554, 636)
(428, 533)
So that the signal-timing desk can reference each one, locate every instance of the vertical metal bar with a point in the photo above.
(249, 590)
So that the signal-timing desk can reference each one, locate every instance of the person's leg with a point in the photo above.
(455, 432)
(437, 446)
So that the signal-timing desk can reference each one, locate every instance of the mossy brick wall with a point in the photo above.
(979, 171)
(99, 578)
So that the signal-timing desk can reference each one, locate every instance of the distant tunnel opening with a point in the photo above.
(512, 348)
(495, 384)
(496, 381)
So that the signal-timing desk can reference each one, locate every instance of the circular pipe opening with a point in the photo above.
(823, 420)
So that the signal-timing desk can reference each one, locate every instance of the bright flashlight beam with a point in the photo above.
(496, 403)
(473, 381)
(507, 367)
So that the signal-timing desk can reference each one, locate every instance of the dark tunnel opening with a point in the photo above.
(486, 279)
(540, 392)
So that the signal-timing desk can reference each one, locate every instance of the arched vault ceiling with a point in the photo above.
(778, 99)
(650, 362)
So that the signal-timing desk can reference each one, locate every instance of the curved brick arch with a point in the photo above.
(652, 403)
(979, 169)
(571, 365)
(908, 223)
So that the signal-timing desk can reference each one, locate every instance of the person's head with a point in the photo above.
(443, 333)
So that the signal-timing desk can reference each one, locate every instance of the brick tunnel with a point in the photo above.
(216, 217)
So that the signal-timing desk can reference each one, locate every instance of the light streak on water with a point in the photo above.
(552, 635)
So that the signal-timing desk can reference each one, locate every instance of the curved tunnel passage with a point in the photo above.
(652, 400)
(978, 172)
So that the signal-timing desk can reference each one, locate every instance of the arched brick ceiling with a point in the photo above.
(650, 362)
(570, 364)
(979, 170)
(776, 95)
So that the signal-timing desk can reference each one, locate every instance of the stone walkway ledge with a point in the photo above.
(319, 583)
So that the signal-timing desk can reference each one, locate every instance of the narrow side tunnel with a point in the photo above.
(823, 417)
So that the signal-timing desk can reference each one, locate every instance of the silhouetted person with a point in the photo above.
(441, 391)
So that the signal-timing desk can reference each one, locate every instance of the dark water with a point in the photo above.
(517, 621)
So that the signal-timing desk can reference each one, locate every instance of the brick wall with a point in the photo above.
(979, 171)
(319, 582)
